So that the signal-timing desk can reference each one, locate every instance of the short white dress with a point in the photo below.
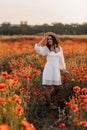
(55, 62)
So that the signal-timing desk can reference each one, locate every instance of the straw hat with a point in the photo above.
(52, 33)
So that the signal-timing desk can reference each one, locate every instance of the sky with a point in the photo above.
(38, 12)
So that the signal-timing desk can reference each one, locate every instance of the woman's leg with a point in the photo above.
(47, 94)
(55, 89)
(48, 97)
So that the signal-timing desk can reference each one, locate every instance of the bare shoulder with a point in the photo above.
(60, 48)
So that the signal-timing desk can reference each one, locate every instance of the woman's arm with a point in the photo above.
(42, 40)
(41, 50)
(63, 64)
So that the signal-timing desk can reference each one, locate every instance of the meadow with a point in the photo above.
(22, 100)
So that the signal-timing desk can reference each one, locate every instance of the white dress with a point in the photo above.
(55, 62)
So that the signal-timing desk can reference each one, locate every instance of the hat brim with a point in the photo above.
(52, 33)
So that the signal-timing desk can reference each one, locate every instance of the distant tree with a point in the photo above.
(23, 23)
(5, 28)
(6, 24)
(69, 29)
(58, 27)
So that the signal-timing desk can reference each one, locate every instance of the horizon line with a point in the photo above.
(42, 23)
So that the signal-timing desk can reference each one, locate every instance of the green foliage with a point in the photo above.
(59, 28)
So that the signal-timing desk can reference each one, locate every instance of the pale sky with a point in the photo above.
(43, 11)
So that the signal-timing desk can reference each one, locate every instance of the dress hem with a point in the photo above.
(52, 84)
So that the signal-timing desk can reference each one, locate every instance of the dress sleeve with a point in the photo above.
(41, 50)
(62, 60)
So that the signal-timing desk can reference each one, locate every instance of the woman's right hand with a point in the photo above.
(42, 40)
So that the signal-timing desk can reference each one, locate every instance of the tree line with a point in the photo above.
(24, 29)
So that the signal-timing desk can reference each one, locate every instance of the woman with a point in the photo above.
(55, 62)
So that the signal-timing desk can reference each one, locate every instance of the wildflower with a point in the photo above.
(16, 98)
(22, 90)
(76, 89)
(76, 122)
(2, 100)
(3, 86)
(85, 101)
(4, 127)
(85, 77)
(82, 105)
(74, 107)
(15, 83)
(68, 103)
(6, 75)
(28, 99)
(83, 123)
(82, 97)
(79, 115)
(37, 93)
(30, 77)
(30, 128)
(84, 90)
(27, 125)
(62, 125)
(19, 110)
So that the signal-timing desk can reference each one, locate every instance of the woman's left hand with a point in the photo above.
(67, 73)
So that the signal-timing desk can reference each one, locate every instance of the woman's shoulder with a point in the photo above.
(60, 47)
(45, 47)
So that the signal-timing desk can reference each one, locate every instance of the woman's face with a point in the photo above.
(50, 40)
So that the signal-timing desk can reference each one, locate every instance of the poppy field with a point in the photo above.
(22, 100)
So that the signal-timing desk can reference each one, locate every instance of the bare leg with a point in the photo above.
(54, 90)
(47, 94)
(48, 97)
